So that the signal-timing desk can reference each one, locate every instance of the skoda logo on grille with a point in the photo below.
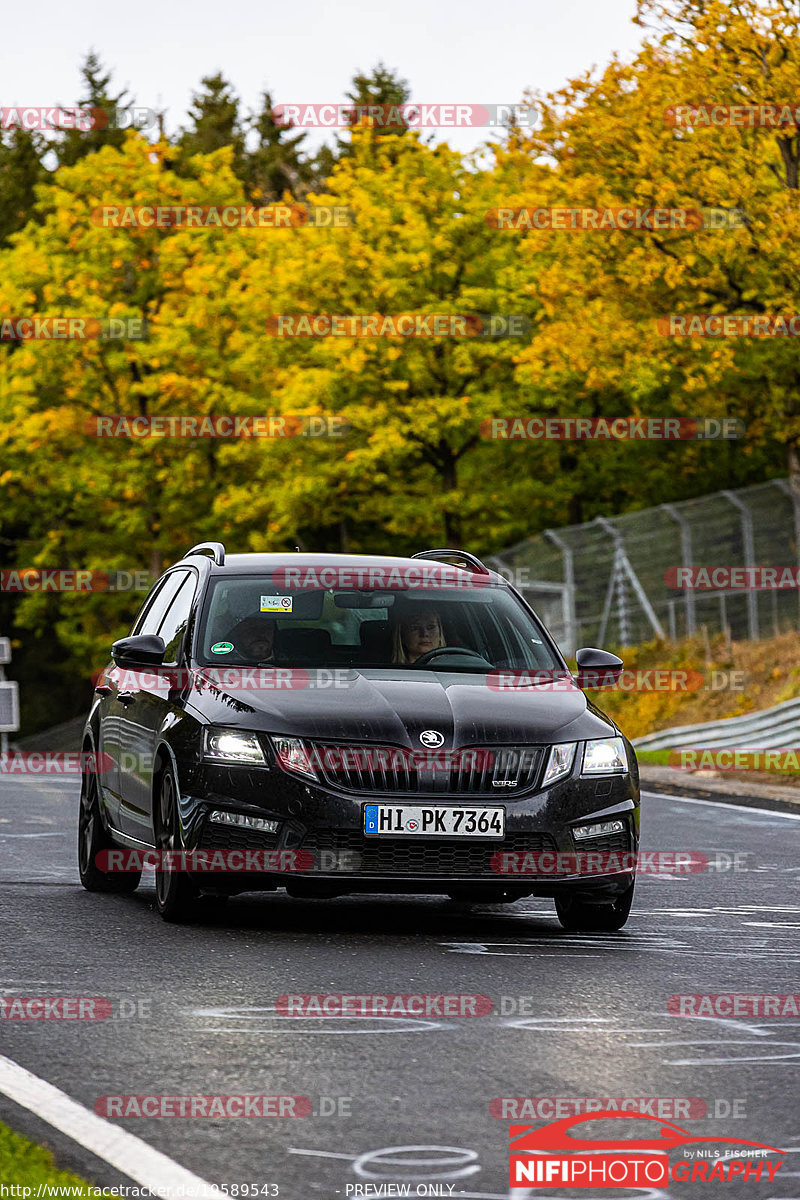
(431, 738)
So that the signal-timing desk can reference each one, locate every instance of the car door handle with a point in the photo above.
(125, 698)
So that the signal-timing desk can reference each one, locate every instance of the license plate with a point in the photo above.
(434, 820)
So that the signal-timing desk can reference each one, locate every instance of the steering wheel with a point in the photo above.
(424, 659)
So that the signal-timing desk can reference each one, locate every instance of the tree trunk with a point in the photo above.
(793, 462)
(452, 519)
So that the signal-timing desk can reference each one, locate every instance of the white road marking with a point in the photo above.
(743, 809)
(117, 1147)
(311, 1024)
(5, 836)
(460, 1165)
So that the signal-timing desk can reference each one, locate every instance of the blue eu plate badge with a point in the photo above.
(370, 818)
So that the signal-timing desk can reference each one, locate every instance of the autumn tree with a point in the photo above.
(599, 347)
(21, 169)
(415, 467)
(109, 503)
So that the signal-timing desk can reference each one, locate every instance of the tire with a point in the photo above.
(176, 893)
(577, 914)
(92, 839)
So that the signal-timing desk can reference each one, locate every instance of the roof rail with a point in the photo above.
(474, 564)
(217, 550)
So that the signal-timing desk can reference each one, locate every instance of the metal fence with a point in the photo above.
(604, 582)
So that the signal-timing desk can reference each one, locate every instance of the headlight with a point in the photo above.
(227, 745)
(560, 762)
(604, 756)
(293, 756)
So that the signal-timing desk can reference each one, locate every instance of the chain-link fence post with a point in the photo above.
(570, 631)
(748, 543)
(686, 556)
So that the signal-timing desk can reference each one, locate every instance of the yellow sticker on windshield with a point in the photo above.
(276, 604)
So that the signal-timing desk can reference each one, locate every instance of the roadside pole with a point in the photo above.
(9, 699)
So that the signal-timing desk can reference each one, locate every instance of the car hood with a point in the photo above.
(395, 707)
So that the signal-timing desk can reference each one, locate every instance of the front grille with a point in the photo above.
(235, 837)
(474, 771)
(367, 768)
(389, 856)
(494, 769)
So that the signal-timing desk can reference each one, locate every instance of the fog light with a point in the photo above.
(580, 832)
(229, 818)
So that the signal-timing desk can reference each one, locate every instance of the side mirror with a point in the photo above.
(146, 649)
(597, 668)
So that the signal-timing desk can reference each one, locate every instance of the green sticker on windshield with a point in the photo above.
(222, 647)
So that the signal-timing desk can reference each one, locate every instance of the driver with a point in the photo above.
(254, 637)
(415, 634)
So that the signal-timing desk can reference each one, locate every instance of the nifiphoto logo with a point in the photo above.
(567, 1153)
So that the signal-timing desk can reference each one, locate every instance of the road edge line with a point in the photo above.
(122, 1150)
(764, 812)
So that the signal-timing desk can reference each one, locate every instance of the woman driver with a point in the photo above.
(416, 633)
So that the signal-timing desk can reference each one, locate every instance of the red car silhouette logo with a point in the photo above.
(555, 1136)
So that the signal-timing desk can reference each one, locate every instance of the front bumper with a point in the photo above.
(326, 825)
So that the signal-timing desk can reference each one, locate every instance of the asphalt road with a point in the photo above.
(574, 1015)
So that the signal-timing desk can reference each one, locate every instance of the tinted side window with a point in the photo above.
(149, 601)
(173, 626)
(154, 613)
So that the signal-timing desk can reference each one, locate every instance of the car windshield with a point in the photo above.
(256, 620)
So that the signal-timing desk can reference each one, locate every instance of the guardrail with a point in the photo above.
(768, 729)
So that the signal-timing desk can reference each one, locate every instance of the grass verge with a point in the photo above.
(25, 1164)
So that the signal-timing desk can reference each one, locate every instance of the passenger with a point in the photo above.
(254, 638)
(416, 633)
